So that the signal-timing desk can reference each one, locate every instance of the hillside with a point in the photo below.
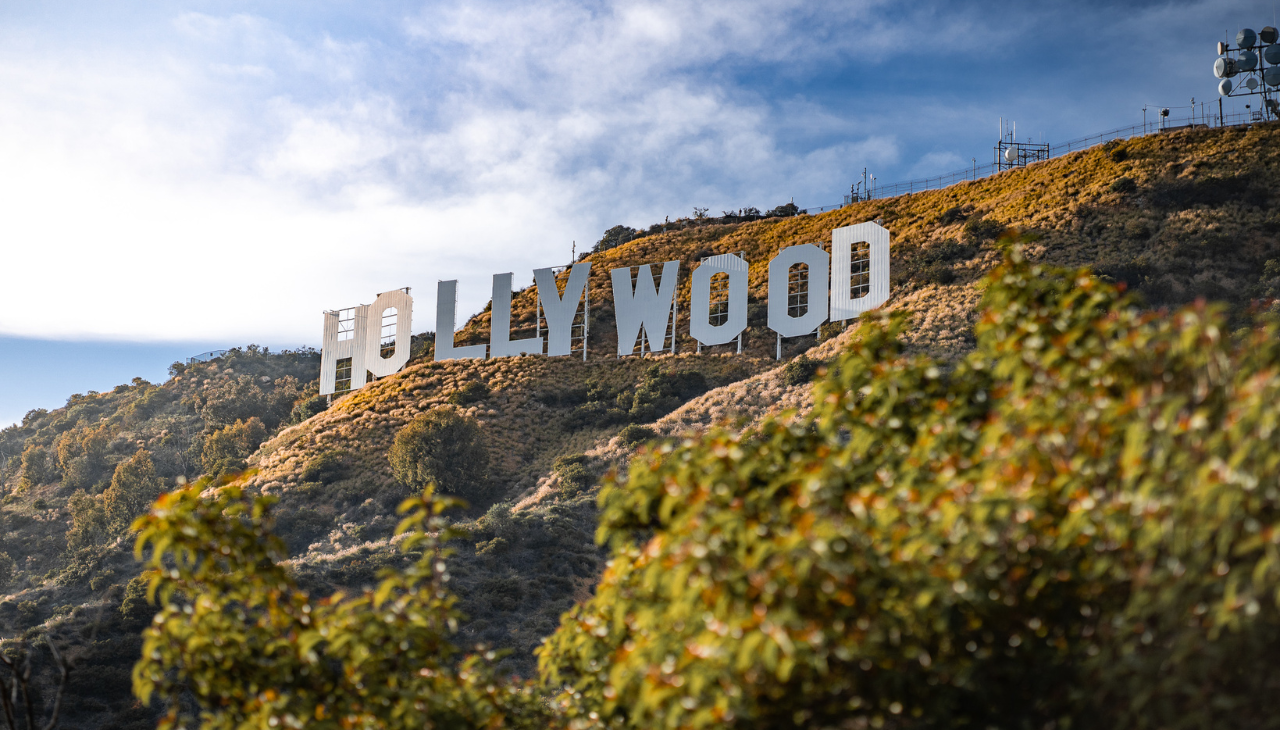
(1178, 216)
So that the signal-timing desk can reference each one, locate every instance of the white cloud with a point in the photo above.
(235, 179)
(234, 175)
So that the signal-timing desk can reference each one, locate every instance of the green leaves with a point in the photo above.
(254, 650)
(1076, 524)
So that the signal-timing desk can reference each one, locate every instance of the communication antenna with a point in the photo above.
(1010, 153)
(1250, 68)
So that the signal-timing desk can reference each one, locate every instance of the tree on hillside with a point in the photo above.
(36, 469)
(226, 449)
(613, 238)
(1075, 526)
(133, 488)
(89, 523)
(443, 448)
(243, 397)
(82, 456)
(237, 638)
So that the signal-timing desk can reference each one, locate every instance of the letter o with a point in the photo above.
(700, 327)
(380, 366)
(779, 273)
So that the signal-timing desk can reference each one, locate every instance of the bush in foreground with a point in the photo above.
(1076, 526)
(237, 638)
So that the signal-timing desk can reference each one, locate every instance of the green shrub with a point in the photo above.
(36, 469)
(473, 392)
(934, 264)
(660, 393)
(786, 210)
(135, 609)
(300, 527)
(89, 524)
(81, 566)
(101, 580)
(28, 613)
(231, 617)
(800, 370)
(614, 237)
(327, 467)
(829, 330)
(979, 230)
(133, 488)
(308, 407)
(574, 474)
(564, 462)
(938, 274)
(952, 215)
(81, 455)
(1073, 527)
(656, 394)
(575, 479)
(636, 434)
(496, 546)
(7, 568)
(1123, 185)
(443, 448)
(226, 449)
(245, 397)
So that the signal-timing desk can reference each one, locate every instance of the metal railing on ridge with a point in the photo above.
(977, 172)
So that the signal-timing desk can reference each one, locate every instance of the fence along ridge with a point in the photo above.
(947, 179)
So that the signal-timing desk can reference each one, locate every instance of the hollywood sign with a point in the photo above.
(365, 341)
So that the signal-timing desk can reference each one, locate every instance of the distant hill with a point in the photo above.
(1176, 217)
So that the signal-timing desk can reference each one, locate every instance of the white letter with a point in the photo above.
(780, 320)
(843, 304)
(336, 347)
(645, 306)
(560, 310)
(383, 365)
(500, 342)
(446, 306)
(700, 326)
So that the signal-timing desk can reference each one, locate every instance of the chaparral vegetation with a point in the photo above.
(1022, 495)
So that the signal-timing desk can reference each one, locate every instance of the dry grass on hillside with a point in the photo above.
(523, 434)
(1191, 223)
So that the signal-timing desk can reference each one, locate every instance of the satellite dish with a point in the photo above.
(1224, 86)
(1272, 76)
(1011, 155)
(1225, 68)
(1251, 82)
(1269, 34)
(1246, 38)
(1271, 54)
(1247, 61)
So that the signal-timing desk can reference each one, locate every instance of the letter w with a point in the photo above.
(645, 306)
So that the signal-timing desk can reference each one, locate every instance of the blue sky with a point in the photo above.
(186, 175)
